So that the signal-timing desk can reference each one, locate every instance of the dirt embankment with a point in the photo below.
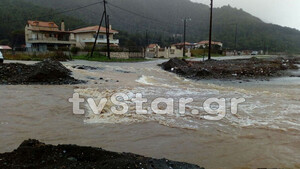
(34, 154)
(45, 72)
(253, 68)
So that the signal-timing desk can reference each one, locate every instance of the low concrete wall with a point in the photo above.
(168, 53)
(116, 55)
(150, 54)
(136, 55)
(126, 55)
(119, 55)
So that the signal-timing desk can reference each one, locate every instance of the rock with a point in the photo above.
(83, 67)
(123, 71)
(45, 72)
(72, 159)
(31, 144)
(48, 71)
(34, 154)
(174, 63)
(203, 73)
(252, 68)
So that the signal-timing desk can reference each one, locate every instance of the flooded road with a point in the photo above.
(264, 133)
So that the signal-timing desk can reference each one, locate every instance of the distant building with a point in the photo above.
(205, 44)
(86, 36)
(42, 36)
(5, 49)
(155, 51)
(187, 45)
(152, 47)
(151, 50)
(2, 47)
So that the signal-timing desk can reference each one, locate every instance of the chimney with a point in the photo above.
(110, 27)
(62, 26)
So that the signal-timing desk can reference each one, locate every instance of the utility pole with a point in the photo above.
(184, 33)
(104, 16)
(210, 29)
(107, 37)
(96, 38)
(146, 43)
(107, 29)
(235, 43)
(147, 38)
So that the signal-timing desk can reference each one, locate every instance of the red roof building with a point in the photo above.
(153, 46)
(86, 36)
(42, 24)
(187, 45)
(5, 47)
(206, 43)
(94, 29)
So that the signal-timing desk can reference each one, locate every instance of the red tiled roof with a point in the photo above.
(5, 47)
(181, 44)
(152, 45)
(43, 24)
(207, 42)
(93, 29)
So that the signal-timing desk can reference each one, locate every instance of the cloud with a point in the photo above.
(281, 12)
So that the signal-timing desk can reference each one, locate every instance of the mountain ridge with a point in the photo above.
(164, 18)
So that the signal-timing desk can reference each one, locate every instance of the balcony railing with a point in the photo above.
(50, 40)
(89, 40)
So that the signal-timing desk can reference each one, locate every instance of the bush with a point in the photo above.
(75, 50)
(17, 57)
(59, 56)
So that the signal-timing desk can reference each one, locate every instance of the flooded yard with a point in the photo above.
(264, 132)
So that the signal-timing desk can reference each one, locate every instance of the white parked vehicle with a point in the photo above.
(1, 58)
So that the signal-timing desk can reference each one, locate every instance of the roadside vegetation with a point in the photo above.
(56, 55)
(101, 58)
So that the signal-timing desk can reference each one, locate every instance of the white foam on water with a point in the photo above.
(107, 117)
(257, 112)
(153, 81)
(262, 115)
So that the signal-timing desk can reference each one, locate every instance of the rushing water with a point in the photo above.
(264, 133)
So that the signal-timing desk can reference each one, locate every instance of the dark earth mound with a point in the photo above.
(253, 68)
(45, 72)
(83, 67)
(34, 154)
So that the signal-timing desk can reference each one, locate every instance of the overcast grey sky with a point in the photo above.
(281, 12)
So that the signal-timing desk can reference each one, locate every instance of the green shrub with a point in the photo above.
(75, 50)
(59, 56)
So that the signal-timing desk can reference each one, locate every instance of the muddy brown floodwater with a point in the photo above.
(264, 133)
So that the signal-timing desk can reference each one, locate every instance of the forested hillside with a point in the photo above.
(163, 18)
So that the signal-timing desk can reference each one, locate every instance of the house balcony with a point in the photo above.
(92, 40)
(51, 41)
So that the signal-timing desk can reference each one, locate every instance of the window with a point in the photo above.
(100, 36)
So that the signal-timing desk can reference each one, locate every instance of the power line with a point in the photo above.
(62, 12)
(122, 20)
(142, 16)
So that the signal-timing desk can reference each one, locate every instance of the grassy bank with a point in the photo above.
(101, 58)
(58, 55)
